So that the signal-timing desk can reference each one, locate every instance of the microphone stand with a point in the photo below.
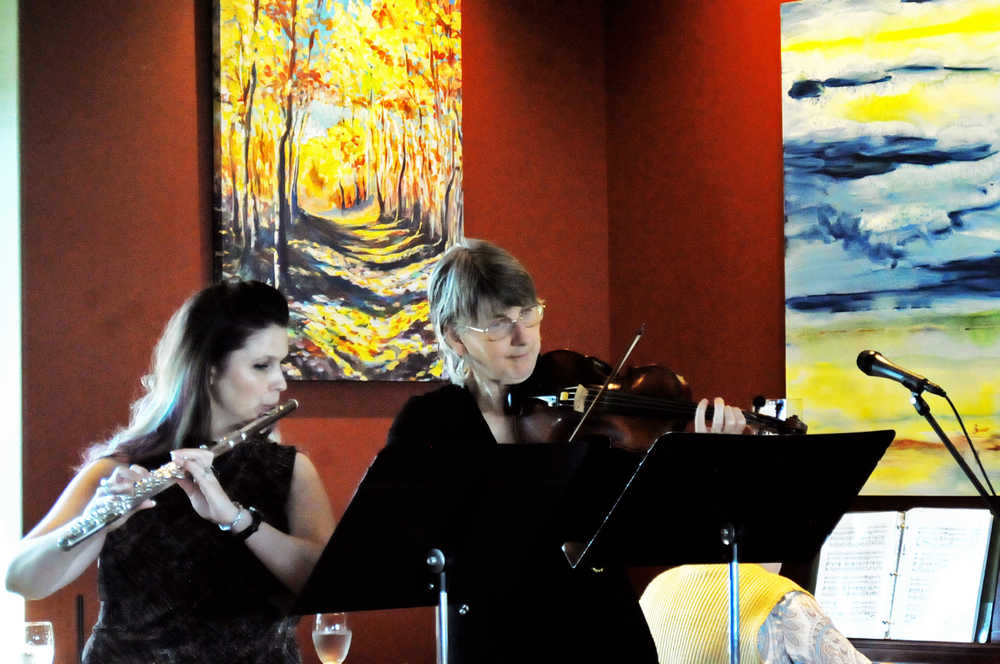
(923, 409)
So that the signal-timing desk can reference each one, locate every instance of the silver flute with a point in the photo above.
(114, 506)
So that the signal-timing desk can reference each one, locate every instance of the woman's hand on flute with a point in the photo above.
(120, 482)
(40, 566)
(207, 496)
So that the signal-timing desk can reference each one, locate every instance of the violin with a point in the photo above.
(638, 405)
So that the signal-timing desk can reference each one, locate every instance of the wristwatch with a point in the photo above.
(255, 520)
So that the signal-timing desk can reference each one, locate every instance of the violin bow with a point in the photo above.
(611, 377)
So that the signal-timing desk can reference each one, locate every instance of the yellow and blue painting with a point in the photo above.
(891, 133)
(338, 178)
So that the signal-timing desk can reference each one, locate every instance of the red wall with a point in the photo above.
(630, 159)
(694, 191)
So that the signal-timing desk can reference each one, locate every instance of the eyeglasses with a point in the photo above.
(501, 328)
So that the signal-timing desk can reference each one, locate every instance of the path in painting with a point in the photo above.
(361, 310)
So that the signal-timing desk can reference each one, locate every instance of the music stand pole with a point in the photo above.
(923, 409)
(729, 539)
(737, 490)
(436, 563)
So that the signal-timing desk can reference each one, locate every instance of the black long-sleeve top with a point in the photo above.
(520, 601)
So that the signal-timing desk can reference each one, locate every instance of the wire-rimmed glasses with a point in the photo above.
(502, 327)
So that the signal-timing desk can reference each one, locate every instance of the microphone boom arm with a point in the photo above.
(923, 409)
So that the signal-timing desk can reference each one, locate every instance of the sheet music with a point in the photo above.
(941, 567)
(856, 576)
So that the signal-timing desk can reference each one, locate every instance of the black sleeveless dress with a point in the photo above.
(175, 589)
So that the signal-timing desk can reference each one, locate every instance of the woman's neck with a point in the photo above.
(489, 396)
(490, 400)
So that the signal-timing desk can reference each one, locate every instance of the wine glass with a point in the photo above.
(39, 646)
(332, 637)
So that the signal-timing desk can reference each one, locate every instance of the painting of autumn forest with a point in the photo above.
(338, 173)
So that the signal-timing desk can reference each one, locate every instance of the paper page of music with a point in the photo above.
(914, 575)
(856, 574)
(941, 567)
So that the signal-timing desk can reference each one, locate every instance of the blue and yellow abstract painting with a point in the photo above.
(891, 134)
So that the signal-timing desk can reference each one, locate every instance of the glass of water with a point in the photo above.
(332, 637)
(39, 645)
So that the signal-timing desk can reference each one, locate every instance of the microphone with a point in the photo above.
(873, 363)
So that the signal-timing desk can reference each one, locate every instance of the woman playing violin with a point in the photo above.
(487, 317)
(203, 576)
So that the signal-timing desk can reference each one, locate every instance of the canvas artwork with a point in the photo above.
(891, 130)
(339, 172)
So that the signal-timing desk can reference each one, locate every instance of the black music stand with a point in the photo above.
(422, 525)
(697, 498)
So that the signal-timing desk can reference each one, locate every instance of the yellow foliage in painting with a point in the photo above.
(345, 112)
(332, 161)
(345, 333)
(392, 68)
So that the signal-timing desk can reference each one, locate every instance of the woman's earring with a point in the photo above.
(454, 342)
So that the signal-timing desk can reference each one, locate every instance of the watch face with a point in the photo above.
(255, 521)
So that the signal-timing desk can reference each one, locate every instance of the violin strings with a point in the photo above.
(651, 402)
(637, 402)
(640, 403)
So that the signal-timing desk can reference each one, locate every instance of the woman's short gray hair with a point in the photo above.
(473, 278)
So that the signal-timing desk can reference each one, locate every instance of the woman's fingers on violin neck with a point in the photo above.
(699, 417)
(736, 421)
(719, 415)
(725, 419)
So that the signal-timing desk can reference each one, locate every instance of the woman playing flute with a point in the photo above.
(204, 575)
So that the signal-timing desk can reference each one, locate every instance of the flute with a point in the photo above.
(117, 505)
